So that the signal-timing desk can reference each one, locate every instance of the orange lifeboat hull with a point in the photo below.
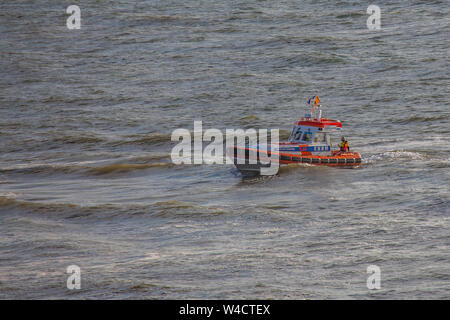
(251, 157)
(336, 159)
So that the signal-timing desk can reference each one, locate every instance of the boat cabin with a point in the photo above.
(314, 131)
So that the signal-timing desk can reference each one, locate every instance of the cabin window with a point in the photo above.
(298, 134)
(294, 132)
(307, 136)
(320, 137)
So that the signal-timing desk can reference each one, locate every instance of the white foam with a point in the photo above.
(9, 195)
(393, 155)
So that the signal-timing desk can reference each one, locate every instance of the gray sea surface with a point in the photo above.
(86, 177)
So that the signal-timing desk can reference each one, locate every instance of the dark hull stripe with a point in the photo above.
(253, 154)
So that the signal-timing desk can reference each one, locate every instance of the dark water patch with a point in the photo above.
(435, 205)
(313, 59)
(7, 204)
(147, 19)
(350, 14)
(422, 118)
(440, 164)
(46, 169)
(179, 209)
(78, 139)
(386, 68)
(144, 139)
(149, 158)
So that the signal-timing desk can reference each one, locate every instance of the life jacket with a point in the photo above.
(344, 146)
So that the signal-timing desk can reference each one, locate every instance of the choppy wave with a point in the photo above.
(50, 169)
(8, 203)
(147, 139)
(171, 208)
(143, 19)
(79, 139)
(8, 195)
(422, 118)
(90, 140)
(309, 60)
(350, 14)
(127, 167)
(249, 119)
(293, 166)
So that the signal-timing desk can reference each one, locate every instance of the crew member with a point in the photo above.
(345, 147)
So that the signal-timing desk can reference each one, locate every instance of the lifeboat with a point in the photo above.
(309, 143)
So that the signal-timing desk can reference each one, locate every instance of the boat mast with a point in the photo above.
(316, 112)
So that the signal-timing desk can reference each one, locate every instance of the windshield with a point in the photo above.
(307, 136)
